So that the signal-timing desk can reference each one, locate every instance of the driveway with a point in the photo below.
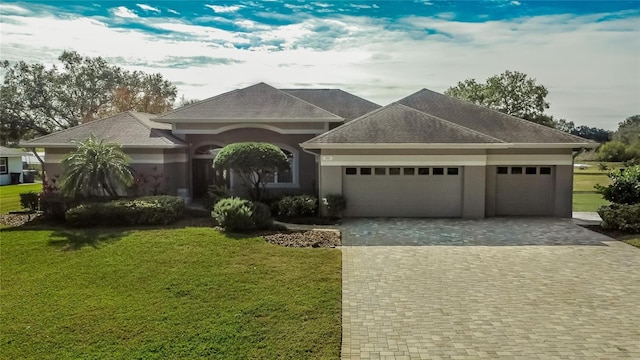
(494, 288)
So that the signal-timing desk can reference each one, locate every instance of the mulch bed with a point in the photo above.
(616, 234)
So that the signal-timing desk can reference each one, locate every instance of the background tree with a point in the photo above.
(37, 100)
(629, 130)
(626, 142)
(255, 164)
(511, 92)
(95, 168)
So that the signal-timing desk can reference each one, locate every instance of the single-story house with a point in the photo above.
(426, 155)
(11, 165)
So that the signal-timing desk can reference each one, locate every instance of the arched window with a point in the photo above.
(286, 176)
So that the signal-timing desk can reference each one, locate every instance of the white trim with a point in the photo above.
(203, 143)
(530, 159)
(446, 160)
(248, 126)
(235, 120)
(403, 160)
(447, 146)
(72, 145)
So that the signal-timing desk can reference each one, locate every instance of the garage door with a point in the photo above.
(524, 190)
(403, 191)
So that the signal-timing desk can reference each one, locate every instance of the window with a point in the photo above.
(365, 171)
(438, 171)
(529, 170)
(545, 170)
(351, 171)
(503, 170)
(381, 171)
(4, 167)
(285, 177)
(516, 170)
(423, 171)
(452, 171)
(394, 171)
(409, 171)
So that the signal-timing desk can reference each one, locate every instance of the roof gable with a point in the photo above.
(130, 129)
(11, 152)
(336, 101)
(487, 121)
(260, 102)
(400, 124)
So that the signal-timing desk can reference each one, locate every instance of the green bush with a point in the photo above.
(335, 204)
(261, 216)
(30, 200)
(234, 214)
(298, 206)
(149, 210)
(624, 188)
(621, 217)
(54, 205)
(215, 193)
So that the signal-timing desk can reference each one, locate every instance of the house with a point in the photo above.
(11, 165)
(426, 155)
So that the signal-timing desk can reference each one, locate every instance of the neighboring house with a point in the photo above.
(11, 165)
(427, 155)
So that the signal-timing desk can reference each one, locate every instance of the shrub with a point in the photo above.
(53, 205)
(215, 193)
(624, 188)
(261, 216)
(298, 206)
(30, 200)
(335, 204)
(150, 210)
(603, 166)
(621, 217)
(234, 214)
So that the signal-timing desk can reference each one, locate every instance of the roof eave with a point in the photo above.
(126, 146)
(242, 120)
(308, 145)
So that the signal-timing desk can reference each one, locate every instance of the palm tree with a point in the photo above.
(95, 168)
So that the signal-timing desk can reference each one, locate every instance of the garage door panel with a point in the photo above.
(403, 195)
(522, 194)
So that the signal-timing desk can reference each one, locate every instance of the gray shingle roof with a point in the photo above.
(490, 122)
(260, 102)
(396, 124)
(130, 129)
(336, 101)
(6, 152)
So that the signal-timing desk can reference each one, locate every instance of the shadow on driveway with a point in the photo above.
(505, 231)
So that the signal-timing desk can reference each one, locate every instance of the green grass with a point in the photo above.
(165, 293)
(633, 242)
(588, 202)
(10, 196)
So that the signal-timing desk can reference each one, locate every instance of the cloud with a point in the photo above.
(224, 9)
(148, 8)
(12, 9)
(173, 11)
(123, 12)
(515, 3)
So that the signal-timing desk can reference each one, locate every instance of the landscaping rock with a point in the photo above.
(309, 238)
(14, 220)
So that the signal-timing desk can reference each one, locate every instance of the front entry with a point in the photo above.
(203, 176)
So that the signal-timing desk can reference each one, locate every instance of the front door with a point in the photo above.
(203, 176)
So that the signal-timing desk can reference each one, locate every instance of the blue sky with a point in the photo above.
(587, 53)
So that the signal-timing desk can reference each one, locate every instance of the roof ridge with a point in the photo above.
(306, 102)
(521, 120)
(164, 133)
(77, 126)
(347, 124)
(198, 103)
(450, 123)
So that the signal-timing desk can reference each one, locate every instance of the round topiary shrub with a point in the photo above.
(234, 214)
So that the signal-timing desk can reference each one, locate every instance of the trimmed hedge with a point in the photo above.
(298, 206)
(621, 217)
(235, 214)
(149, 210)
(30, 200)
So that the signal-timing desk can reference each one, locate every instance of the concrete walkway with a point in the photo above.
(513, 294)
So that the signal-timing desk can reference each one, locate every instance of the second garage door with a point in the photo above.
(403, 191)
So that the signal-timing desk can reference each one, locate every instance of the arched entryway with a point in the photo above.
(203, 173)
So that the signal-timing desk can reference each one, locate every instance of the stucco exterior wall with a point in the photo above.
(14, 165)
(473, 196)
(563, 191)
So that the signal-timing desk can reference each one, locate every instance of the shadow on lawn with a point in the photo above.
(75, 239)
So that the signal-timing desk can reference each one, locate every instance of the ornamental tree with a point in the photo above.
(254, 162)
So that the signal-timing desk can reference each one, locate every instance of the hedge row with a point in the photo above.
(150, 210)
(621, 217)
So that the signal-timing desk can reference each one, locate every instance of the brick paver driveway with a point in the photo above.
(496, 288)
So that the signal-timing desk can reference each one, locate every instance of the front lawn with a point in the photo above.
(10, 196)
(585, 197)
(153, 293)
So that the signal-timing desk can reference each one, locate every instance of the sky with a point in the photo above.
(586, 53)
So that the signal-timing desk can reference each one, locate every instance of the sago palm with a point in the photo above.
(95, 168)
